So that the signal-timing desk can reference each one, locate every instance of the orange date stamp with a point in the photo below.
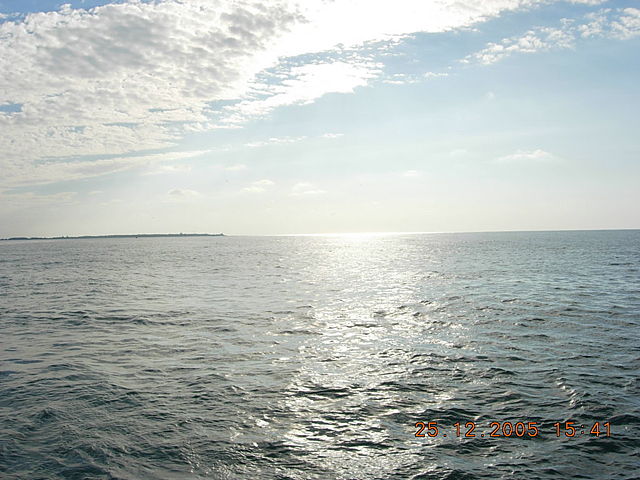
(568, 429)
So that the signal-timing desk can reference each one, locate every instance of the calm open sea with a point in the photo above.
(314, 357)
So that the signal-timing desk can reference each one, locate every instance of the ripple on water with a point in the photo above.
(314, 357)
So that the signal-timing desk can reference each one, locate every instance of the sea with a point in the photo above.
(426, 356)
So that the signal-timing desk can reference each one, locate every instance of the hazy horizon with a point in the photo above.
(313, 234)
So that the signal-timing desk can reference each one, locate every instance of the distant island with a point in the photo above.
(137, 235)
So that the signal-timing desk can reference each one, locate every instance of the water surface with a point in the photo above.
(313, 357)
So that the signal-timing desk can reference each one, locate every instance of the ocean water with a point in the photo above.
(314, 357)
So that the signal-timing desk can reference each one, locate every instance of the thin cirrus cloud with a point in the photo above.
(306, 188)
(24, 199)
(236, 168)
(534, 156)
(259, 186)
(126, 78)
(274, 141)
(169, 169)
(182, 193)
(288, 140)
(23, 174)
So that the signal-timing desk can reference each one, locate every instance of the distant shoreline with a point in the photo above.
(138, 235)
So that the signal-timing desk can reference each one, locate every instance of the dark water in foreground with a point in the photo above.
(313, 357)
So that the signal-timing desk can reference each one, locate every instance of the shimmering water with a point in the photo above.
(314, 357)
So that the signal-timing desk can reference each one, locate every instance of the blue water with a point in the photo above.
(314, 357)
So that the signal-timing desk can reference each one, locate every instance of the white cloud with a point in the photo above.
(588, 2)
(608, 23)
(24, 139)
(306, 188)
(302, 85)
(595, 25)
(114, 79)
(130, 77)
(235, 168)
(354, 22)
(275, 141)
(627, 25)
(169, 169)
(411, 173)
(264, 183)
(27, 199)
(259, 186)
(401, 79)
(332, 135)
(21, 174)
(182, 193)
(407, 79)
(458, 152)
(537, 155)
(435, 74)
(541, 39)
(112, 202)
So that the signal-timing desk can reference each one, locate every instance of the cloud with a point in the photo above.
(458, 152)
(259, 186)
(264, 183)
(411, 173)
(588, 2)
(235, 168)
(408, 79)
(331, 23)
(275, 141)
(299, 85)
(287, 140)
(541, 39)
(169, 169)
(306, 188)
(24, 140)
(27, 199)
(627, 25)
(121, 78)
(537, 155)
(620, 24)
(401, 79)
(435, 74)
(182, 192)
(53, 170)
(131, 77)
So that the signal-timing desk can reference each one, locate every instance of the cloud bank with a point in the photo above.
(131, 78)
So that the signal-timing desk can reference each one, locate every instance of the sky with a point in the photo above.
(318, 116)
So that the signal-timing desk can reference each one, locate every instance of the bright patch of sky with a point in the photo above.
(318, 116)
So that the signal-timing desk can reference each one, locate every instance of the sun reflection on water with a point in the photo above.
(347, 395)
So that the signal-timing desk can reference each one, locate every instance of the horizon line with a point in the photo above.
(434, 232)
(318, 234)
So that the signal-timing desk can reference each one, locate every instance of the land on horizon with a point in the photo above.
(135, 235)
